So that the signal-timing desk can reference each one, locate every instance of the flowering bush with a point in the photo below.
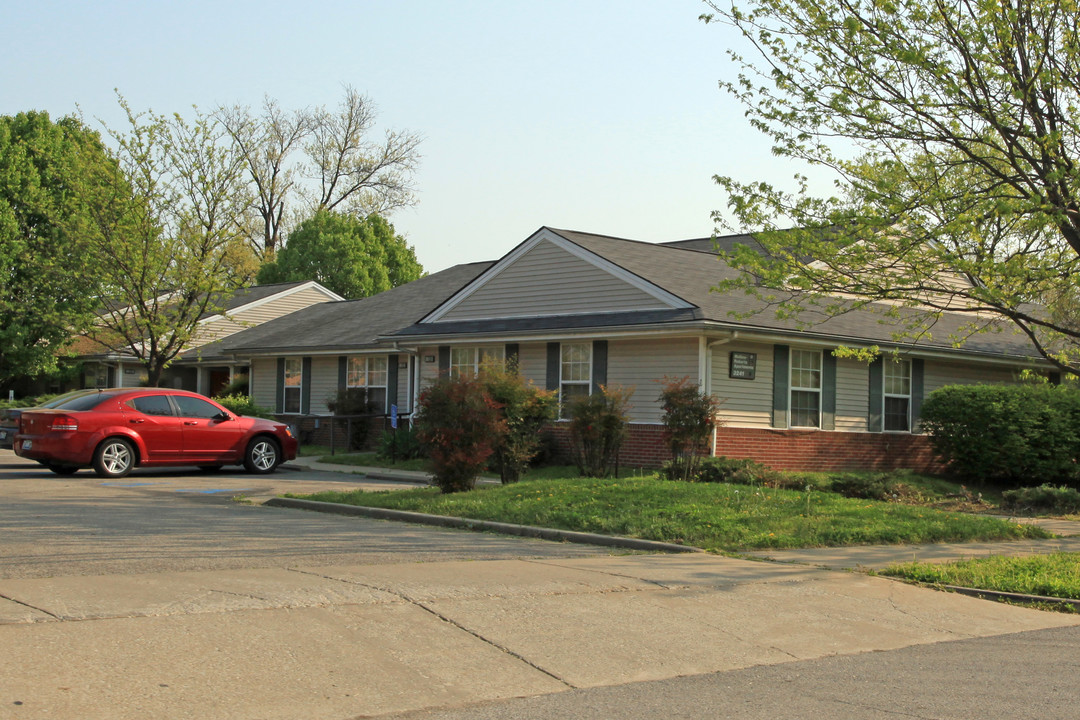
(525, 410)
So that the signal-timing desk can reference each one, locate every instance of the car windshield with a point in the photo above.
(82, 402)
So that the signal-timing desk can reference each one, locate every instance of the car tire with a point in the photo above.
(114, 458)
(64, 469)
(262, 456)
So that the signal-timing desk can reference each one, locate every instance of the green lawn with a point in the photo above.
(1056, 575)
(716, 517)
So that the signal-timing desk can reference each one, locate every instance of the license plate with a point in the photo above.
(26, 444)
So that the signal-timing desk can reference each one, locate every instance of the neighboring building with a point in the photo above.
(192, 370)
(578, 311)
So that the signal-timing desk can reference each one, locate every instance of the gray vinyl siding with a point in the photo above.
(938, 374)
(532, 362)
(548, 280)
(404, 398)
(324, 382)
(429, 371)
(642, 364)
(263, 378)
(852, 396)
(745, 403)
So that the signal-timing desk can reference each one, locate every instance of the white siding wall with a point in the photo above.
(852, 395)
(243, 319)
(643, 364)
(746, 403)
(548, 280)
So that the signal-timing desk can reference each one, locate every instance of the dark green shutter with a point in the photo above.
(305, 386)
(828, 390)
(917, 392)
(874, 419)
(279, 391)
(391, 381)
(554, 363)
(781, 358)
(342, 372)
(444, 359)
(599, 364)
(512, 354)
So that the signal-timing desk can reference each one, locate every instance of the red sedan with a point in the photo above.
(118, 429)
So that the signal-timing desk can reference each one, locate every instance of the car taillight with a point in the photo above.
(64, 422)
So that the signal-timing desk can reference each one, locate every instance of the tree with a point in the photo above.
(168, 245)
(342, 170)
(354, 258)
(50, 178)
(954, 132)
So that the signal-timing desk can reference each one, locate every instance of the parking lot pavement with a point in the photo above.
(158, 601)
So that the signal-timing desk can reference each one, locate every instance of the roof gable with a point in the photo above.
(548, 275)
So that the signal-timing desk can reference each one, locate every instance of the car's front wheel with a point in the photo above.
(114, 458)
(262, 455)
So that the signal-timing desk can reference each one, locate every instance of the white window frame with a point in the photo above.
(361, 372)
(471, 359)
(294, 369)
(564, 381)
(793, 388)
(904, 378)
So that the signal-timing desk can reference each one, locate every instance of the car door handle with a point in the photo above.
(191, 422)
(136, 421)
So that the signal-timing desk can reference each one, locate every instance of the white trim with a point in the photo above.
(547, 235)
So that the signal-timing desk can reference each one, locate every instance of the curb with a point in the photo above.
(483, 526)
(1000, 596)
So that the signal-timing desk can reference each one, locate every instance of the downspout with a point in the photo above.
(707, 385)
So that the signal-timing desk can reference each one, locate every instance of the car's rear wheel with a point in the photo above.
(262, 455)
(63, 469)
(114, 458)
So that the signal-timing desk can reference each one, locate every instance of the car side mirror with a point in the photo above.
(223, 416)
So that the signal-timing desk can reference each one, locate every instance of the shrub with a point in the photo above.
(243, 405)
(400, 444)
(873, 486)
(239, 385)
(689, 417)
(1045, 498)
(740, 471)
(1018, 434)
(459, 424)
(525, 410)
(598, 429)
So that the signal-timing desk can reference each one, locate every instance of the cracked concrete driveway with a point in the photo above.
(143, 601)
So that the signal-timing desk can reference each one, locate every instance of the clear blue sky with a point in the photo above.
(595, 116)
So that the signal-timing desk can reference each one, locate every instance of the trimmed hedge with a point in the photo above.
(1021, 435)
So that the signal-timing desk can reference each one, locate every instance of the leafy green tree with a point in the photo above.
(953, 130)
(354, 258)
(168, 247)
(51, 176)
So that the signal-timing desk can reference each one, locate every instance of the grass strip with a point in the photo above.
(716, 517)
(1053, 575)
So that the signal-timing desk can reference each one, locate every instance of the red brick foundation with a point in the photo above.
(811, 450)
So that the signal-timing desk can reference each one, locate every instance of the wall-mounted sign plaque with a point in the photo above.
(743, 365)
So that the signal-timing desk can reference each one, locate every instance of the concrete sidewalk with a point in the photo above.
(347, 641)
(408, 477)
